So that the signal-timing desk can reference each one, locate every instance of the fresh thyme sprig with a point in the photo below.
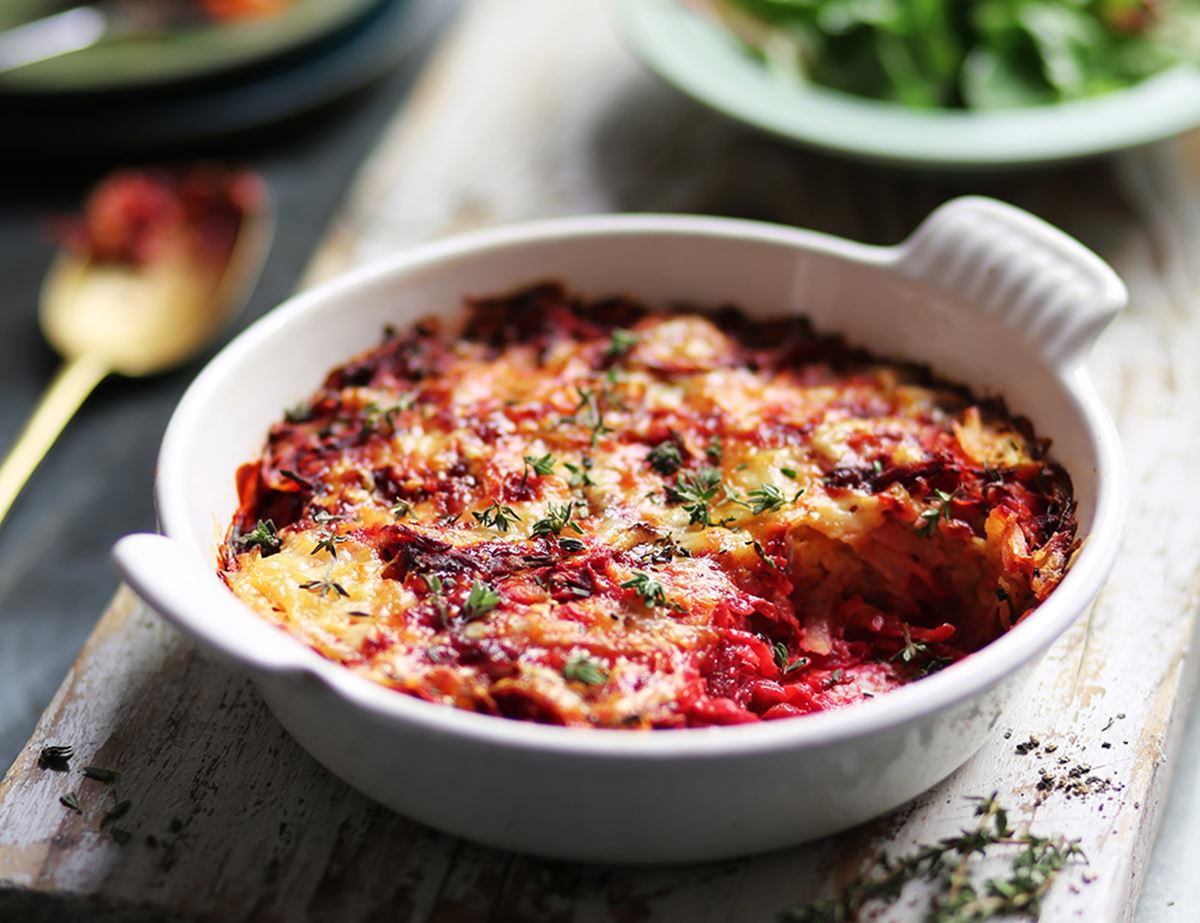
(649, 589)
(401, 509)
(761, 552)
(557, 518)
(264, 536)
(621, 343)
(765, 498)
(786, 665)
(325, 585)
(496, 516)
(588, 412)
(540, 466)
(480, 601)
(433, 583)
(940, 511)
(374, 414)
(696, 493)
(665, 458)
(581, 668)
(1033, 871)
(911, 650)
(327, 537)
(580, 476)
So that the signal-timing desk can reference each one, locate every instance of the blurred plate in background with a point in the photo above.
(177, 116)
(191, 51)
(709, 64)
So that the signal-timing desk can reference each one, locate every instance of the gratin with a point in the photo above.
(590, 513)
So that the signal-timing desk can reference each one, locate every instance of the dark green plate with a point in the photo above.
(192, 52)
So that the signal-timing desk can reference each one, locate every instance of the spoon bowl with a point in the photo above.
(135, 320)
(146, 320)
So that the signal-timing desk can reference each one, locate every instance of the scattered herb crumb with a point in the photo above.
(117, 811)
(56, 757)
(1028, 746)
(71, 801)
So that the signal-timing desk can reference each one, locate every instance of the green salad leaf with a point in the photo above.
(978, 54)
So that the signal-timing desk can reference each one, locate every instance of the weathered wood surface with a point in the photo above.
(534, 108)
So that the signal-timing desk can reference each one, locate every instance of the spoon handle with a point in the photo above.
(70, 387)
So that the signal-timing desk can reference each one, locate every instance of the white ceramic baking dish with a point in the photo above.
(983, 292)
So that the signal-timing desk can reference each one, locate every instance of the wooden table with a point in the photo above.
(534, 108)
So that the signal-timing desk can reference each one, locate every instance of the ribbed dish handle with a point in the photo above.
(1027, 274)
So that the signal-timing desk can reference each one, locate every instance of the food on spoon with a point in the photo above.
(138, 217)
(591, 513)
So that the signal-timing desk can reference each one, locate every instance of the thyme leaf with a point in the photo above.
(787, 666)
(496, 516)
(541, 466)
(581, 668)
(939, 512)
(589, 413)
(325, 586)
(480, 601)
(579, 473)
(696, 493)
(665, 458)
(433, 583)
(621, 343)
(758, 549)
(649, 589)
(263, 536)
(911, 650)
(327, 537)
(557, 518)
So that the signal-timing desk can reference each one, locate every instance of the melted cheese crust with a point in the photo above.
(593, 514)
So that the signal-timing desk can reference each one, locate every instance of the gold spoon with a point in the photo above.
(135, 321)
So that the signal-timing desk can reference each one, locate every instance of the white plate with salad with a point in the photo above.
(937, 83)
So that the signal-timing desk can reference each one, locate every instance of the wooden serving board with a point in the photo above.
(534, 108)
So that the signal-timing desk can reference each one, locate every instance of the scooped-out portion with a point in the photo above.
(589, 512)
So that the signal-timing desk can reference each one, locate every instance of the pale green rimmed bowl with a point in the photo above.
(709, 64)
